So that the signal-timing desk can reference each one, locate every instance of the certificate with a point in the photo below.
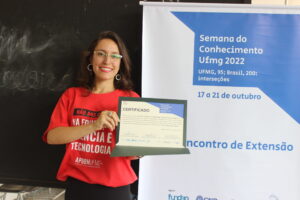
(151, 127)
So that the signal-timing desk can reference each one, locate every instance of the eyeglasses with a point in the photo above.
(102, 54)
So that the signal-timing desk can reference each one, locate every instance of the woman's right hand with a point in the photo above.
(106, 119)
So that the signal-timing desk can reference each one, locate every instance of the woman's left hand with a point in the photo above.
(106, 119)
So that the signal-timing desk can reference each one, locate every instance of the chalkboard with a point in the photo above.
(40, 47)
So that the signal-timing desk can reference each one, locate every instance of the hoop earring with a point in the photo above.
(89, 67)
(118, 77)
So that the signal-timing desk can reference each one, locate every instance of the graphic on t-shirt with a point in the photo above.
(88, 158)
(85, 112)
(97, 142)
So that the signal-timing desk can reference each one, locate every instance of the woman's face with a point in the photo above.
(106, 60)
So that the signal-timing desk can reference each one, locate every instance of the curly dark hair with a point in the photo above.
(86, 77)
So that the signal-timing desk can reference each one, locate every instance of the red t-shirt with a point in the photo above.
(88, 158)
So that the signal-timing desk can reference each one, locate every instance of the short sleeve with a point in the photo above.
(59, 117)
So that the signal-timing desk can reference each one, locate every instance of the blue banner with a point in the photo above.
(248, 50)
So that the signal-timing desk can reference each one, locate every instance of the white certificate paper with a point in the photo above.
(151, 127)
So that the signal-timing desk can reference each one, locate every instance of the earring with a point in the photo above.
(89, 67)
(118, 77)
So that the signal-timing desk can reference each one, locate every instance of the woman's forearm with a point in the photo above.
(64, 135)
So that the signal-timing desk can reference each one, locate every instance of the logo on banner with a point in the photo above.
(177, 197)
(199, 197)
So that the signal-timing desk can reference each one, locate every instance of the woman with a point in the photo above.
(85, 120)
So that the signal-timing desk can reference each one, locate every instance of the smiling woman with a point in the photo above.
(105, 66)
(104, 54)
(90, 134)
